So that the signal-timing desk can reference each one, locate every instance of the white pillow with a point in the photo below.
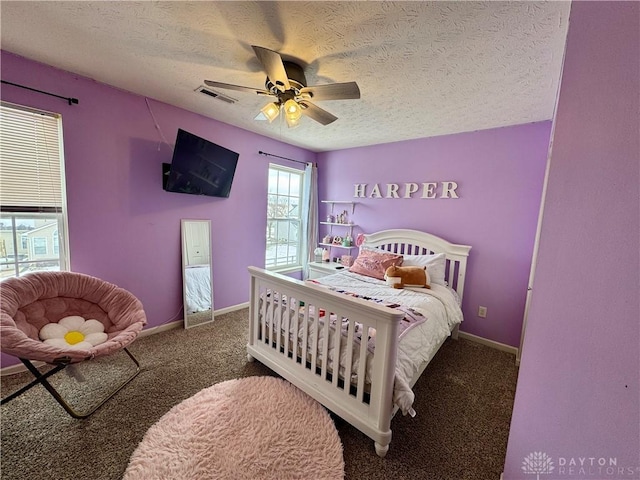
(436, 265)
(73, 332)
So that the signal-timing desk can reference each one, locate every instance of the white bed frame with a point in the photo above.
(369, 408)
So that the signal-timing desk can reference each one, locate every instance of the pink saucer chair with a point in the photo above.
(30, 302)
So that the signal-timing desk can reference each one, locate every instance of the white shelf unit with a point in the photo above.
(340, 202)
(331, 225)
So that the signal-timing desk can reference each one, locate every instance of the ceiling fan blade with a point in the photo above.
(236, 87)
(333, 91)
(272, 63)
(316, 113)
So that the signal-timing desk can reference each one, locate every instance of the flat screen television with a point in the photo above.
(199, 167)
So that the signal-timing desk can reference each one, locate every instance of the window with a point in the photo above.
(284, 222)
(32, 203)
(39, 247)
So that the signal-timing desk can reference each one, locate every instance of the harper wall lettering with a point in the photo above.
(407, 190)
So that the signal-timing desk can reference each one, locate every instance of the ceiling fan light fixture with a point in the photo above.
(292, 110)
(271, 111)
(292, 122)
(287, 83)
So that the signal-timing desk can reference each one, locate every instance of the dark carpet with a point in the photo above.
(463, 403)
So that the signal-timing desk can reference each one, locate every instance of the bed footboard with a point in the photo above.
(290, 332)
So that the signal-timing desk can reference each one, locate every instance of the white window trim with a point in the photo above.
(290, 267)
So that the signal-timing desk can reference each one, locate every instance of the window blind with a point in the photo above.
(30, 160)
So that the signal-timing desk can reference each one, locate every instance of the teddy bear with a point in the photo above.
(400, 277)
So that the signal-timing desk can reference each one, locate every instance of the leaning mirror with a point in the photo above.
(197, 278)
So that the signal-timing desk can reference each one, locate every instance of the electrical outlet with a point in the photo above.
(482, 312)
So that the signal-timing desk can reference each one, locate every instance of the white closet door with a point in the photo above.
(197, 247)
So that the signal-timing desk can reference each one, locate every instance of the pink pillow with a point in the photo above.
(373, 263)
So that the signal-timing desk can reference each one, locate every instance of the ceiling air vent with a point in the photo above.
(213, 94)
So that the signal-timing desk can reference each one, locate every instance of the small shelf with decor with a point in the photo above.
(336, 245)
(337, 228)
(333, 203)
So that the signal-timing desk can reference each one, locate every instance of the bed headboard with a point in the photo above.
(414, 242)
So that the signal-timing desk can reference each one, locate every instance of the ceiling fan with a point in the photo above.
(287, 84)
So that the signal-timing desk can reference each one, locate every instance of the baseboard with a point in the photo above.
(489, 343)
(19, 368)
(232, 308)
(161, 328)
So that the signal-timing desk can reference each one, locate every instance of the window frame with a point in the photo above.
(37, 212)
(287, 266)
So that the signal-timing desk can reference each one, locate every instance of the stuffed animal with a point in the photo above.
(400, 277)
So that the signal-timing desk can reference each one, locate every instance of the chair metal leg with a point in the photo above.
(53, 371)
(42, 378)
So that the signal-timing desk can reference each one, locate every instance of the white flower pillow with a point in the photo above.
(74, 332)
(436, 265)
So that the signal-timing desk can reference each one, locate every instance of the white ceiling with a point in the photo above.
(423, 68)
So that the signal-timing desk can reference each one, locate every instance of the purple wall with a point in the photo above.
(499, 174)
(122, 226)
(578, 390)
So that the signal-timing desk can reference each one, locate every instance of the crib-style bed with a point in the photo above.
(352, 342)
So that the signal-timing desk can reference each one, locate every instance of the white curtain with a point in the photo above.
(309, 217)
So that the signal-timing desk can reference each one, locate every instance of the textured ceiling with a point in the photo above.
(423, 68)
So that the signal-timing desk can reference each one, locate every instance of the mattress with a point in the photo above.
(419, 344)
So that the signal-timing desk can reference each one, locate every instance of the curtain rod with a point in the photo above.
(284, 158)
(68, 99)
